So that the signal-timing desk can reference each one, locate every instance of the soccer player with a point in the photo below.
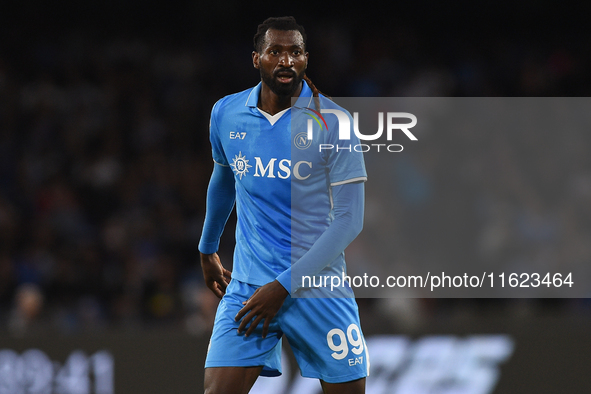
(298, 207)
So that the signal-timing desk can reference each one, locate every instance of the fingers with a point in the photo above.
(223, 283)
(244, 321)
(216, 289)
(241, 313)
(246, 314)
(262, 305)
(219, 284)
(253, 326)
(266, 327)
(216, 276)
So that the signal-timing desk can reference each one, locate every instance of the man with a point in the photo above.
(298, 207)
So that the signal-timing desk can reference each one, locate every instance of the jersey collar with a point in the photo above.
(305, 99)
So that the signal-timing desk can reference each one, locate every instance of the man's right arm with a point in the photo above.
(221, 195)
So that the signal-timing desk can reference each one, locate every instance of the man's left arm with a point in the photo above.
(348, 203)
(348, 200)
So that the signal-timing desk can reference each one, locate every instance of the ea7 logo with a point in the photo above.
(237, 135)
(345, 125)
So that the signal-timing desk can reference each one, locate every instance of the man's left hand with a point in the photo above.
(262, 305)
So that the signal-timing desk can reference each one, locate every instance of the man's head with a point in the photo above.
(280, 54)
(284, 23)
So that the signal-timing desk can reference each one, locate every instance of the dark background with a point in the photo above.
(105, 159)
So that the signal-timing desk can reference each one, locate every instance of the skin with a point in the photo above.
(217, 278)
(283, 52)
(282, 63)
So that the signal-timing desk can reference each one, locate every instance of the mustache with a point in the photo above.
(285, 72)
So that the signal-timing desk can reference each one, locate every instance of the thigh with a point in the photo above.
(326, 338)
(227, 348)
(353, 387)
(230, 380)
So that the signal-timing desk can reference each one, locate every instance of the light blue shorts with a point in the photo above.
(324, 334)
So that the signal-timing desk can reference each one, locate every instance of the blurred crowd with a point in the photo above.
(105, 160)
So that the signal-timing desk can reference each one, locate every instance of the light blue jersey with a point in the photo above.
(284, 186)
(283, 181)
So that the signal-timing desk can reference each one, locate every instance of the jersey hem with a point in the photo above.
(251, 282)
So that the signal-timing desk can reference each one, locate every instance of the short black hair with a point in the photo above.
(284, 23)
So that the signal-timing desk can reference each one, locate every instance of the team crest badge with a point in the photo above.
(301, 140)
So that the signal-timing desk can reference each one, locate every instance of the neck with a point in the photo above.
(272, 103)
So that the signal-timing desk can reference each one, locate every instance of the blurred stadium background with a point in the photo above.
(105, 159)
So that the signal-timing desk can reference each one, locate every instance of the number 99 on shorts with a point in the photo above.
(353, 342)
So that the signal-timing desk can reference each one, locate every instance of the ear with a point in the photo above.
(255, 59)
(307, 57)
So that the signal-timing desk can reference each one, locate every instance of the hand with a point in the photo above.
(263, 304)
(217, 278)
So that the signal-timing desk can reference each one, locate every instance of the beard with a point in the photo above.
(282, 89)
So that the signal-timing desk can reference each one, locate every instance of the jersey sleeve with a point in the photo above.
(345, 161)
(348, 211)
(221, 196)
(217, 149)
